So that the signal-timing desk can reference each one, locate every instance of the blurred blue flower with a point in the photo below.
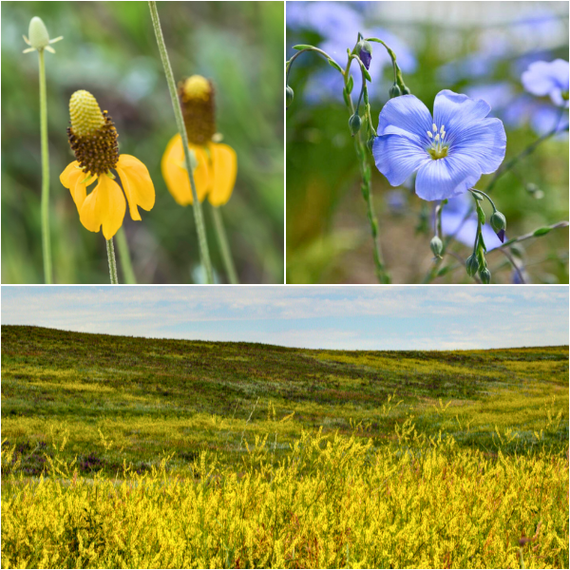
(338, 24)
(397, 201)
(449, 152)
(459, 220)
(498, 95)
(548, 78)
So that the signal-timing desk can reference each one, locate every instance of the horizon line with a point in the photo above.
(292, 347)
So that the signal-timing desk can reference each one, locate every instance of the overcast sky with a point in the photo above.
(368, 318)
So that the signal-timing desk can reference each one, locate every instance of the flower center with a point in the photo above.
(438, 146)
(92, 135)
(196, 95)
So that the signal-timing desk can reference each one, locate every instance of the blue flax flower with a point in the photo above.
(548, 78)
(449, 152)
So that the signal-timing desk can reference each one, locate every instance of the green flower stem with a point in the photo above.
(112, 262)
(398, 79)
(331, 61)
(46, 242)
(380, 270)
(224, 245)
(475, 191)
(198, 215)
(125, 258)
(536, 233)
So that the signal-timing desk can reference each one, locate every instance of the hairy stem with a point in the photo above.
(125, 257)
(224, 246)
(198, 215)
(112, 262)
(46, 241)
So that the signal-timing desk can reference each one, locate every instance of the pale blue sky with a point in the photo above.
(367, 318)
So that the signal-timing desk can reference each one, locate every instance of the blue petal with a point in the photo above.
(405, 114)
(397, 156)
(447, 177)
(485, 141)
(457, 111)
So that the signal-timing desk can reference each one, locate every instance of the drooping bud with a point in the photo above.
(485, 276)
(499, 224)
(365, 53)
(472, 265)
(289, 95)
(406, 90)
(354, 123)
(436, 246)
(92, 135)
(395, 91)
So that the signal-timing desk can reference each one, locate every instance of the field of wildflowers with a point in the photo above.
(129, 452)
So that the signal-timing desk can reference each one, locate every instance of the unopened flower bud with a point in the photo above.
(472, 265)
(289, 95)
(370, 143)
(406, 90)
(39, 37)
(38, 34)
(436, 246)
(485, 276)
(354, 123)
(498, 221)
(499, 224)
(365, 53)
(395, 91)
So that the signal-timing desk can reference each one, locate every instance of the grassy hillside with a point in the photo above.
(177, 454)
(111, 398)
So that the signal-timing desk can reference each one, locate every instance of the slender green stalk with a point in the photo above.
(125, 257)
(46, 242)
(198, 215)
(224, 246)
(112, 262)
(381, 273)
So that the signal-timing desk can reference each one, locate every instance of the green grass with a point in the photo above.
(108, 399)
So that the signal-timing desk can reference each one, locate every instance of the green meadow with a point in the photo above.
(108, 400)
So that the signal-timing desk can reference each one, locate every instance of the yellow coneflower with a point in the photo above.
(93, 139)
(215, 163)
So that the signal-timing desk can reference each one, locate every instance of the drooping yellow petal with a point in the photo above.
(224, 168)
(175, 175)
(71, 178)
(105, 206)
(136, 183)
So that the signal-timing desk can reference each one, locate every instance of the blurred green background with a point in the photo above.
(109, 49)
(457, 46)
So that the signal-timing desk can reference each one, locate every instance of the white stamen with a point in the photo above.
(436, 139)
(442, 129)
(443, 135)
(434, 128)
(429, 134)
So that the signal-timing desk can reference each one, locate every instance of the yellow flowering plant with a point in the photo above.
(93, 139)
(214, 164)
